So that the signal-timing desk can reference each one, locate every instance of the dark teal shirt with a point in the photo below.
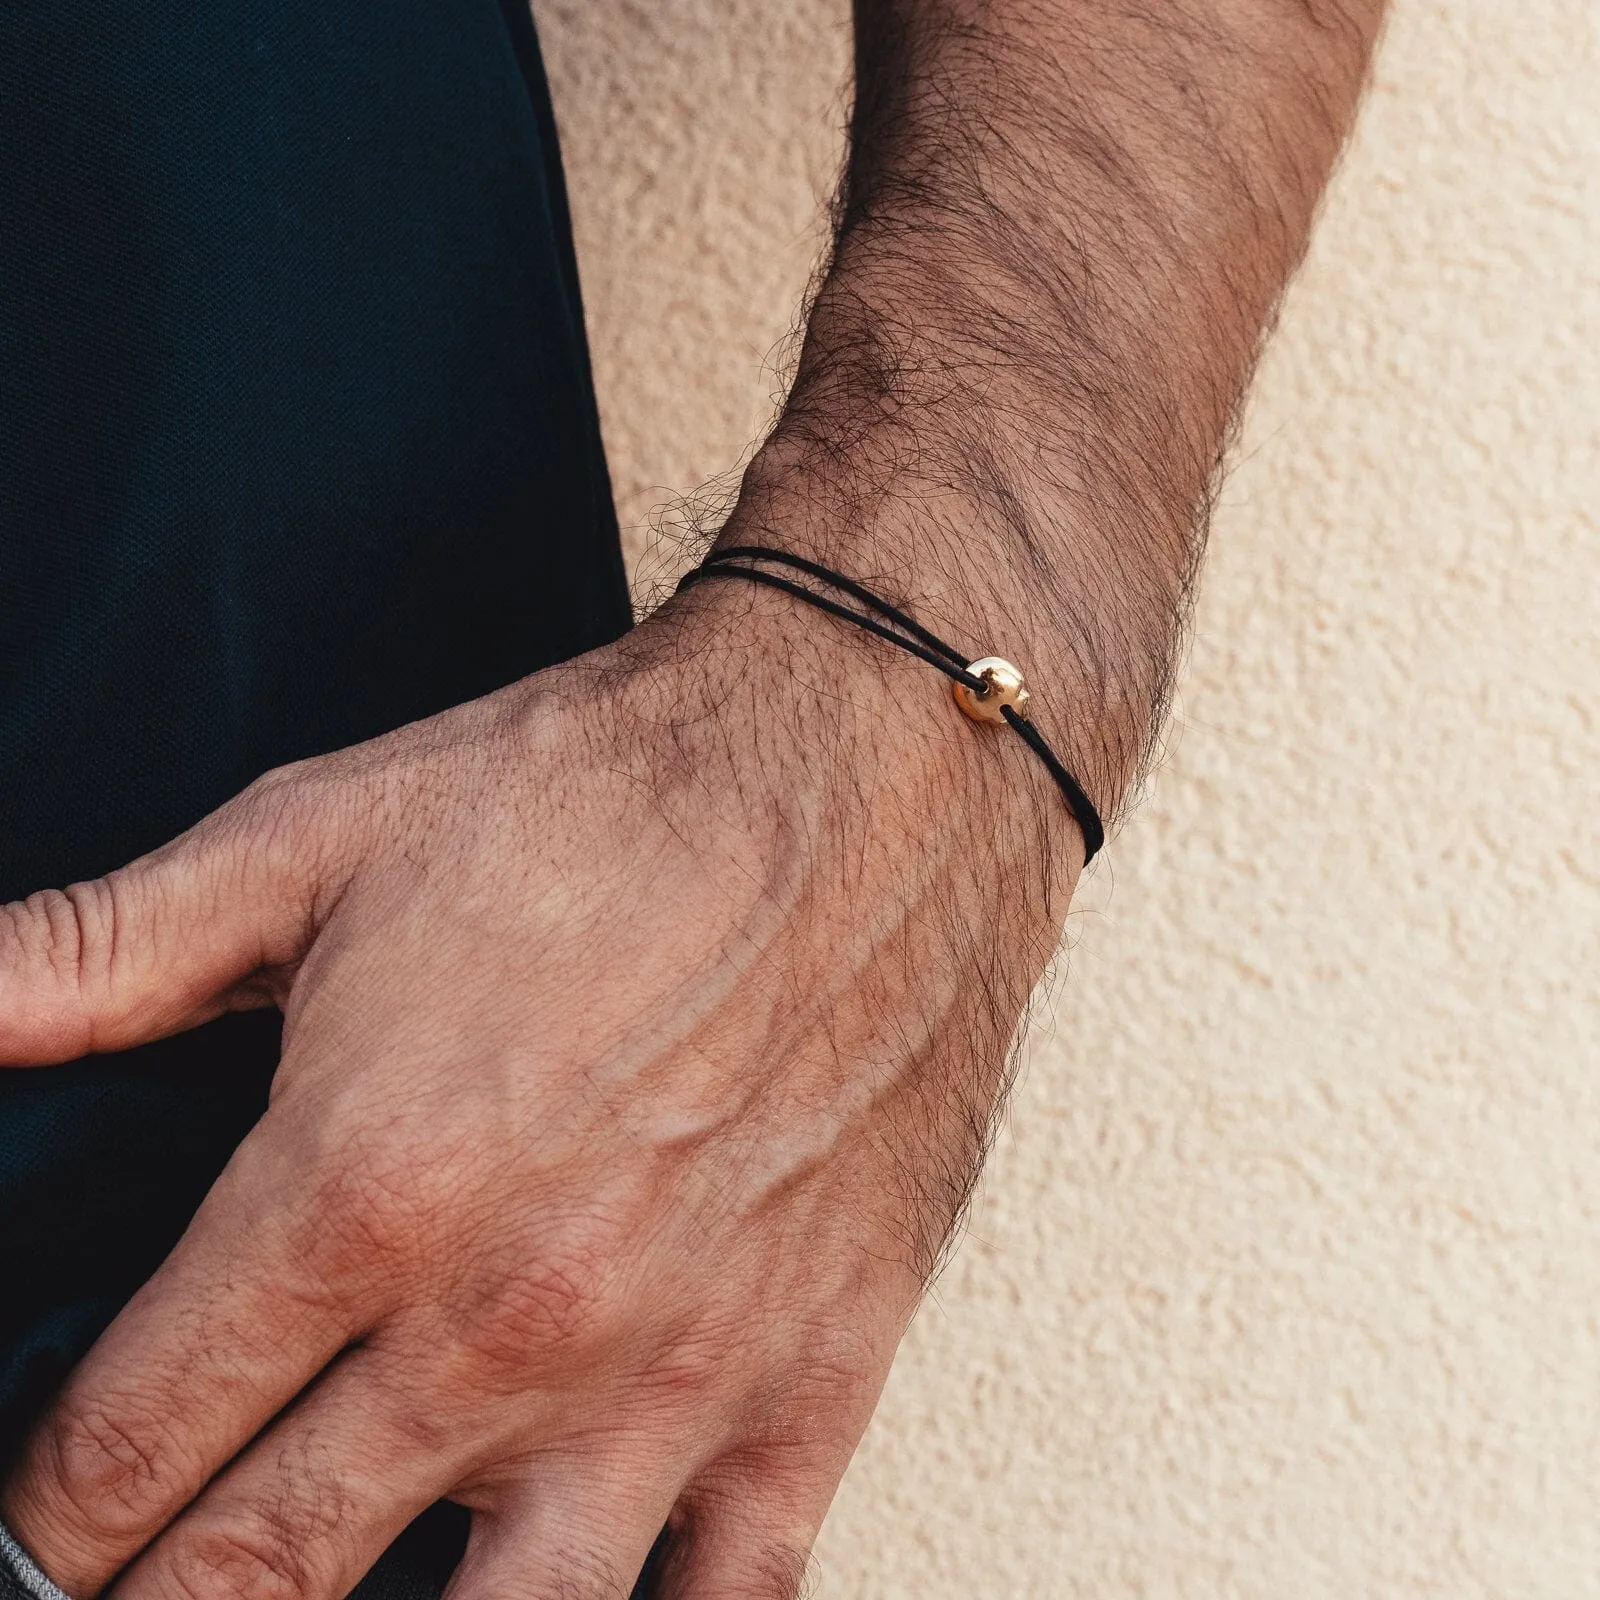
(297, 443)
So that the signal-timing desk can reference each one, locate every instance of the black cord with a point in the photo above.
(898, 629)
(772, 581)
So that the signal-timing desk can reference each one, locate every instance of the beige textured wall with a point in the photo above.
(1286, 1280)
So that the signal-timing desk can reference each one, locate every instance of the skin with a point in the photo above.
(645, 1022)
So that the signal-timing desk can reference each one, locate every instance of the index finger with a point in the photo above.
(232, 1326)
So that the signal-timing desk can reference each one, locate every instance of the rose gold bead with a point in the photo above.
(1004, 688)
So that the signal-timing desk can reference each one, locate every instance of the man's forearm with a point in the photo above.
(644, 1020)
(1063, 230)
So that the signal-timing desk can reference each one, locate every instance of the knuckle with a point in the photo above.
(367, 1216)
(296, 818)
(684, 1371)
(282, 797)
(277, 812)
(840, 1374)
(553, 1303)
(259, 1562)
(564, 1301)
(385, 1204)
(113, 1468)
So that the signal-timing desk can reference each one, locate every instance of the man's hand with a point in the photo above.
(642, 1026)
(644, 1023)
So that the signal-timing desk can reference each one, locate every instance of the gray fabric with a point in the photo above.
(20, 1575)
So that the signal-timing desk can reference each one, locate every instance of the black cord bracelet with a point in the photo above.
(988, 689)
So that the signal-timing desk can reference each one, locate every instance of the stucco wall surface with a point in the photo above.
(1286, 1278)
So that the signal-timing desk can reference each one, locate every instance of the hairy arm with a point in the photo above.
(1063, 231)
(644, 1022)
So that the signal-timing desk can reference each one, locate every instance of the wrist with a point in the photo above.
(792, 715)
(1033, 574)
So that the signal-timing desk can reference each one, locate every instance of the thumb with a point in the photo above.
(213, 922)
